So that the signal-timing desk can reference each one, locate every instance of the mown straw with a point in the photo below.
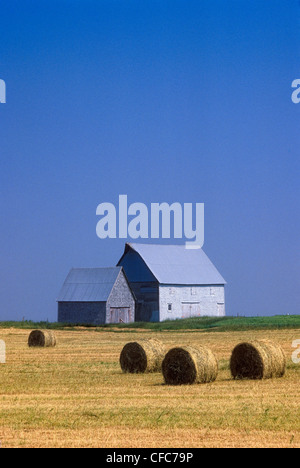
(42, 339)
(258, 360)
(142, 356)
(189, 365)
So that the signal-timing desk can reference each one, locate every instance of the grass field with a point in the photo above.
(75, 395)
(276, 322)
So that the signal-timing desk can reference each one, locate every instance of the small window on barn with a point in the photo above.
(169, 307)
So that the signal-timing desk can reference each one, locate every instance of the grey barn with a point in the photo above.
(172, 282)
(96, 296)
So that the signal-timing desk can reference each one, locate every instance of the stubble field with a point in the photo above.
(75, 395)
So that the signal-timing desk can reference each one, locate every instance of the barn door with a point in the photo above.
(186, 310)
(119, 314)
(124, 315)
(221, 309)
(190, 309)
(114, 315)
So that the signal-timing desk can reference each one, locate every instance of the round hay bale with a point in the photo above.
(142, 356)
(42, 339)
(257, 360)
(189, 365)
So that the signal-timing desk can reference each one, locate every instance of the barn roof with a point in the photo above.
(174, 264)
(88, 284)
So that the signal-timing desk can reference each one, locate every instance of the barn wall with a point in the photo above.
(121, 296)
(144, 285)
(135, 268)
(189, 301)
(147, 307)
(92, 313)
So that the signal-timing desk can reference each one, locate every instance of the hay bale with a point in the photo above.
(257, 360)
(142, 356)
(42, 339)
(189, 365)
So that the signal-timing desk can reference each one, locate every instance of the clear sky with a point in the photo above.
(165, 101)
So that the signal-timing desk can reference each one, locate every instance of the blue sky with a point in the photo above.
(165, 101)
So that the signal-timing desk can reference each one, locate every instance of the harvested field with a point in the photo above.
(76, 395)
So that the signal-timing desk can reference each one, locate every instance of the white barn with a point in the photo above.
(172, 282)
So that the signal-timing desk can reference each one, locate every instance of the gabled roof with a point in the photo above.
(174, 264)
(88, 284)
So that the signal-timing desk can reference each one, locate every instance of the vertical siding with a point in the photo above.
(88, 313)
(186, 301)
(147, 307)
(136, 269)
(144, 285)
(121, 296)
